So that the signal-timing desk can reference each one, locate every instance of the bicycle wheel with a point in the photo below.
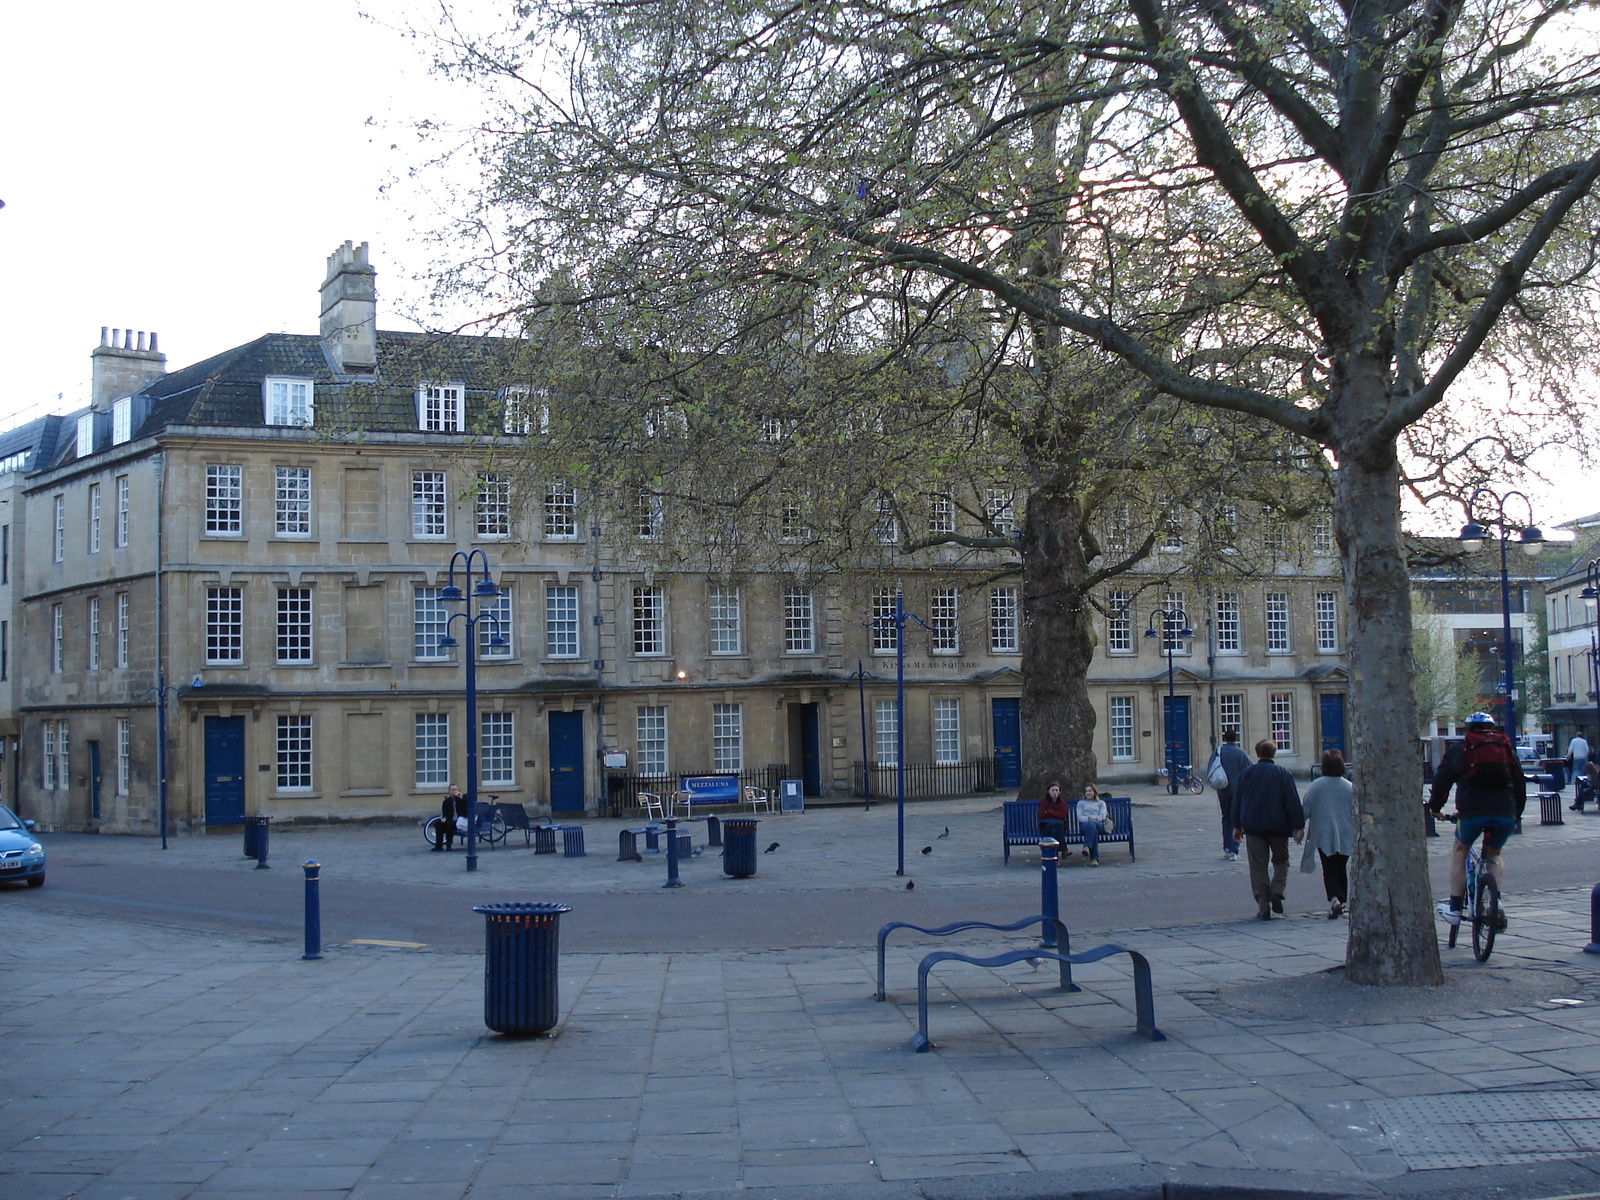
(1195, 784)
(1486, 917)
(430, 831)
(493, 830)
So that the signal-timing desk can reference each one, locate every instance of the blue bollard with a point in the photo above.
(672, 854)
(313, 911)
(261, 845)
(1594, 922)
(1049, 890)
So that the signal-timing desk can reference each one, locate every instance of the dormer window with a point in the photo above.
(524, 411)
(288, 402)
(121, 420)
(441, 409)
(85, 435)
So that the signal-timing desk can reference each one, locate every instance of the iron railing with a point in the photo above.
(928, 781)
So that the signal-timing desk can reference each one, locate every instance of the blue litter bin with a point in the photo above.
(521, 949)
(739, 847)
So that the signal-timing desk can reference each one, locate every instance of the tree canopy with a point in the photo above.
(1320, 216)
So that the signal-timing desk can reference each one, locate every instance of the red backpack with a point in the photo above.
(1487, 759)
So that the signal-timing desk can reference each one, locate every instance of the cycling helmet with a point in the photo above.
(1480, 718)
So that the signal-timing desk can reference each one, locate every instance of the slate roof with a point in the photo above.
(225, 390)
(38, 439)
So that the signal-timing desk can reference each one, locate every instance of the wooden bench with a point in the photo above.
(1022, 824)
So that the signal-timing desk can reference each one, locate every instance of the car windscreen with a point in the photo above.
(8, 819)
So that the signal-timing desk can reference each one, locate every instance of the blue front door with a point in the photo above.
(224, 770)
(1007, 743)
(1333, 721)
(566, 762)
(1175, 720)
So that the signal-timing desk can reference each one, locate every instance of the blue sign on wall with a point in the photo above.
(710, 789)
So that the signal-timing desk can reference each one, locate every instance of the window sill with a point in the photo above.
(223, 537)
(298, 665)
(434, 662)
(292, 794)
(292, 537)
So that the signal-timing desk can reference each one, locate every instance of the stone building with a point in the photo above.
(1571, 641)
(257, 543)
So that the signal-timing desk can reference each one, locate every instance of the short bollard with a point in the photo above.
(256, 846)
(1594, 922)
(672, 854)
(255, 839)
(1049, 890)
(313, 911)
(520, 958)
(713, 831)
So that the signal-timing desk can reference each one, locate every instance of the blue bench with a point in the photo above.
(1022, 824)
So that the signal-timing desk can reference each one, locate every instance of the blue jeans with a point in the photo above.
(1225, 799)
(1091, 838)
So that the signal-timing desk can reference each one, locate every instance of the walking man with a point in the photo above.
(1266, 814)
(1577, 760)
(1235, 762)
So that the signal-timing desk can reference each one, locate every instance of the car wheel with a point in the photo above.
(36, 881)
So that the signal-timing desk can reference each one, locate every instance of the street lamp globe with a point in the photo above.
(1589, 595)
(1473, 536)
(1531, 540)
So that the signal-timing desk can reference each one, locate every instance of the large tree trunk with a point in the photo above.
(1057, 646)
(1392, 936)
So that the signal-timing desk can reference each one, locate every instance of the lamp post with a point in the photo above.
(1472, 537)
(1170, 636)
(898, 621)
(161, 690)
(1591, 593)
(484, 589)
(861, 675)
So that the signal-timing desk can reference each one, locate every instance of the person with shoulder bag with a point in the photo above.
(1230, 762)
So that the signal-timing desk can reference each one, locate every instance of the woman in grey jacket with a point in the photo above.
(1329, 805)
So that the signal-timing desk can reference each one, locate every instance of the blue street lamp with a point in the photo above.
(1472, 537)
(483, 590)
(898, 621)
(1591, 593)
(1174, 628)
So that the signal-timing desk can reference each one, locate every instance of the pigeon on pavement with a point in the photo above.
(945, 834)
(911, 885)
(770, 848)
(927, 849)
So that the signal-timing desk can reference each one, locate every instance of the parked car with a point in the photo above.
(21, 856)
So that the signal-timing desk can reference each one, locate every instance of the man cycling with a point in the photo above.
(1491, 792)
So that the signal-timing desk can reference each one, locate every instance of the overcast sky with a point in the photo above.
(186, 167)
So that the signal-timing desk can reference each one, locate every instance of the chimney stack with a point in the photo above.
(350, 309)
(123, 363)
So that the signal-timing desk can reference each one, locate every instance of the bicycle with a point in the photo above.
(1186, 778)
(1481, 904)
(492, 826)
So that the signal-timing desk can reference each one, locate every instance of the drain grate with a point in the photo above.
(1485, 1129)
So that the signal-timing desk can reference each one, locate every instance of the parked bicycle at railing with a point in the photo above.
(441, 832)
(1186, 778)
